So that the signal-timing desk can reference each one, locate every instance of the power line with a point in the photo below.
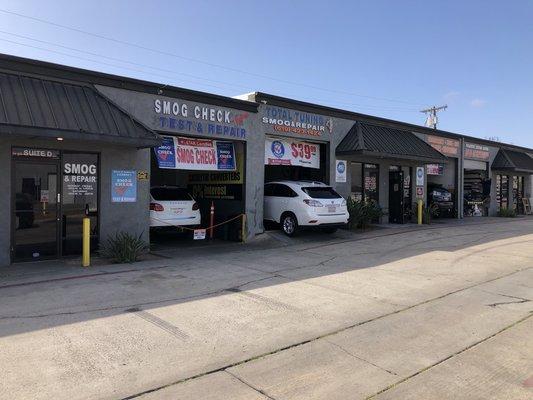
(138, 46)
(360, 106)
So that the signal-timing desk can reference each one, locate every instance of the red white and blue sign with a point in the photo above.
(196, 154)
(292, 152)
(166, 153)
(123, 186)
(225, 156)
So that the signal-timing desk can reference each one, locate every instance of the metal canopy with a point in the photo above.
(36, 107)
(384, 142)
(511, 160)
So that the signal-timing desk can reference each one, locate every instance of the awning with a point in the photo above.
(384, 142)
(36, 107)
(513, 161)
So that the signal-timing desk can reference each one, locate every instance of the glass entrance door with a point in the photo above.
(80, 199)
(35, 210)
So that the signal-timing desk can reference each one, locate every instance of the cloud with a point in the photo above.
(451, 95)
(478, 103)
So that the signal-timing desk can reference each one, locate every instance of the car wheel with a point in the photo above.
(289, 224)
(329, 230)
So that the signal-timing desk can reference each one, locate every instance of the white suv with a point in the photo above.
(304, 203)
(172, 206)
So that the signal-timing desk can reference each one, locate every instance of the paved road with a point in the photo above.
(439, 313)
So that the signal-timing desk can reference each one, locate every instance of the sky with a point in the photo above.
(384, 58)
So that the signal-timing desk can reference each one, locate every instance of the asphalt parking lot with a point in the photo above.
(436, 313)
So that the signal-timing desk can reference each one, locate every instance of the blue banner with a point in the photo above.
(225, 156)
(123, 186)
(166, 153)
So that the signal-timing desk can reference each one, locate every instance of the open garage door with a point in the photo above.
(207, 174)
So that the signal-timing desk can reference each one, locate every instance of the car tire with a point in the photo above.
(329, 230)
(289, 224)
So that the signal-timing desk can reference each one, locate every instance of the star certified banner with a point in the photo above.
(292, 152)
(195, 154)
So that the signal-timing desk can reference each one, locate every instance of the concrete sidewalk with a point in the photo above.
(351, 317)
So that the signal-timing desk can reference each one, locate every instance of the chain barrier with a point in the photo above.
(243, 216)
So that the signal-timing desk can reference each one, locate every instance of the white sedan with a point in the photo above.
(302, 203)
(172, 206)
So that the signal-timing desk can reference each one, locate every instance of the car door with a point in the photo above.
(280, 204)
(268, 201)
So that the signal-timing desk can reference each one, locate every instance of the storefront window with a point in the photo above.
(370, 180)
(356, 174)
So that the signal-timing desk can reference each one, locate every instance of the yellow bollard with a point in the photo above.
(86, 254)
(243, 228)
(420, 204)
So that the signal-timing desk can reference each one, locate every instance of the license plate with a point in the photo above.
(332, 208)
(177, 210)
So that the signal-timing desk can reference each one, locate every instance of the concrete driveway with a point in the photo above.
(438, 313)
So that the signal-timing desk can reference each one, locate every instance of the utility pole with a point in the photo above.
(431, 119)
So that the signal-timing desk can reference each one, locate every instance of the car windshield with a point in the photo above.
(170, 194)
(321, 192)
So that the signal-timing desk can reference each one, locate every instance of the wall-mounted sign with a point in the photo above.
(284, 120)
(123, 186)
(216, 191)
(292, 153)
(195, 154)
(446, 146)
(419, 176)
(79, 179)
(190, 117)
(29, 152)
(142, 175)
(420, 192)
(340, 171)
(476, 152)
(435, 169)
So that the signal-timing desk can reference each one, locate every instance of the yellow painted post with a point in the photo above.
(243, 228)
(86, 254)
(420, 203)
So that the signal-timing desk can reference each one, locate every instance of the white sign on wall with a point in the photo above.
(340, 171)
(419, 176)
(292, 153)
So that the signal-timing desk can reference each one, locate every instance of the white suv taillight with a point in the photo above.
(313, 203)
(343, 202)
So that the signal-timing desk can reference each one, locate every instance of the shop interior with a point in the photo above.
(476, 189)
(442, 188)
(224, 190)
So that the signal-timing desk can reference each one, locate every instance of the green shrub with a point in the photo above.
(124, 247)
(362, 213)
(507, 213)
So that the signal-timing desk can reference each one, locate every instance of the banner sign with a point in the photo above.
(123, 186)
(340, 171)
(448, 147)
(195, 154)
(435, 169)
(292, 153)
(476, 152)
